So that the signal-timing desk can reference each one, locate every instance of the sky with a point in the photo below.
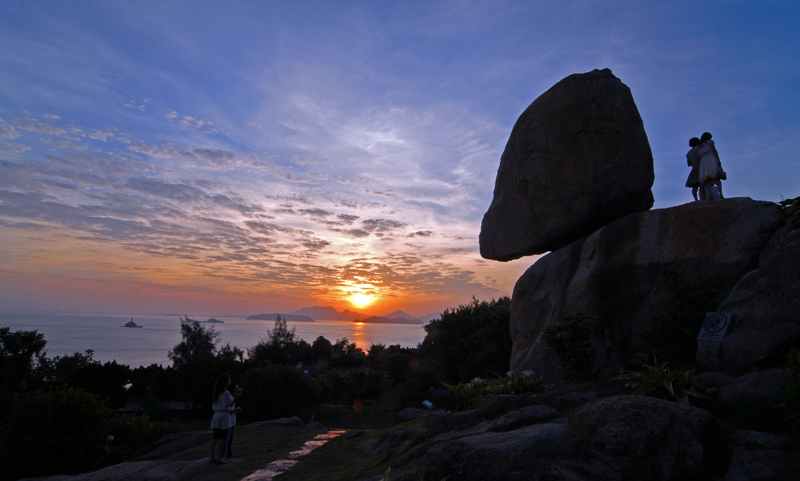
(241, 157)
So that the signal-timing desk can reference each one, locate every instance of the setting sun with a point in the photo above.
(359, 299)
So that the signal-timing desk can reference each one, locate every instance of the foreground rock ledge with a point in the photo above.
(628, 271)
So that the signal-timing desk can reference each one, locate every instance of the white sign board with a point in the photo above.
(714, 326)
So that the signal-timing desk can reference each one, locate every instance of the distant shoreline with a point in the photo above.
(273, 316)
(385, 320)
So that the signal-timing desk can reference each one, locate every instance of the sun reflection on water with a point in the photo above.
(360, 336)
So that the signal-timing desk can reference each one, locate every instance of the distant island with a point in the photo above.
(316, 313)
(274, 315)
(214, 320)
(386, 320)
(327, 314)
(131, 324)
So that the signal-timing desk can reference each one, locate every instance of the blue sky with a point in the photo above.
(261, 156)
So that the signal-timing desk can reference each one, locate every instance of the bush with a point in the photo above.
(346, 355)
(107, 381)
(570, 339)
(793, 379)
(523, 382)
(470, 341)
(365, 383)
(21, 360)
(199, 342)
(467, 395)
(281, 346)
(793, 386)
(130, 433)
(193, 383)
(516, 383)
(417, 387)
(658, 380)
(672, 336)
(56, 431)
(271, 392)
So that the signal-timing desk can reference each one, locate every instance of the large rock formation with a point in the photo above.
(628, 271)
(577, 159)
(765, 305)
(575, 179)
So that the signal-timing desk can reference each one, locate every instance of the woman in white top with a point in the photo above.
(221, 400)
(710, 165)
(693, 161)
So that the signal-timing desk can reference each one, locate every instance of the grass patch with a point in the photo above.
(345, 417)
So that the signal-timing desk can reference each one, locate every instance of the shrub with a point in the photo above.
(791, 210)
(658, 380)
(470, 341)
(522, 382)
(467, 395)
(56, 431)
(417, 386)
(793, 386)
(271, 391)
(130, 433)
(672, 336)
(107, 381)
(199, 342)
(281, 346)
(365, 383)
(193, 383)
(346, 355)
(793, 379)
(570, 339)
(21, 360)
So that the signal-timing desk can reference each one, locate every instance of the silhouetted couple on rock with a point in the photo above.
(707, 174)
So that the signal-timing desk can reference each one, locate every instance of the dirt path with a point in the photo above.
(185, 456)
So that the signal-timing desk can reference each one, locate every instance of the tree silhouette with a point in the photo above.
(199, 342)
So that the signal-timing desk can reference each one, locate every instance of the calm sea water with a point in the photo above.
(69, 333)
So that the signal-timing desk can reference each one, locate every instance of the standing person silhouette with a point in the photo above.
(235, 391)
(221, 401)
(710, 165)
(693, 161)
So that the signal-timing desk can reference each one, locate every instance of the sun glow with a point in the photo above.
(359, 299)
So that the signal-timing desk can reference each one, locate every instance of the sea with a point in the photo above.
(105, 335)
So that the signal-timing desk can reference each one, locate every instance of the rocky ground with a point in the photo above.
(185, 456)
(569, 433)
(578, 433)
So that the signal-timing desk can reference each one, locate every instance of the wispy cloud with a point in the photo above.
(291, 152)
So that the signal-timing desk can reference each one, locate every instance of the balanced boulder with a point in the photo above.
(577, 159)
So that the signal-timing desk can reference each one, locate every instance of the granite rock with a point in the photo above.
(577, 158)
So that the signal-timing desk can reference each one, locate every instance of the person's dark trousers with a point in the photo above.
(226, 449)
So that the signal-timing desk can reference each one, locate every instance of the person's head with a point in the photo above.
(705, 136)
(219, 386)
(693, 141)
